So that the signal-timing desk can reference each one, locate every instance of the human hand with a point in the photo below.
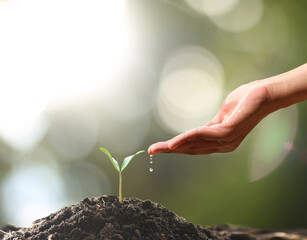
(240, 112)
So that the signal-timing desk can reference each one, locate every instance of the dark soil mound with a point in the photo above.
(106, 218)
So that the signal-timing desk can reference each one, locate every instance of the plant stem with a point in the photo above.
(120, 187)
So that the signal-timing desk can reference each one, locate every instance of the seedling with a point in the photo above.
(120, 169)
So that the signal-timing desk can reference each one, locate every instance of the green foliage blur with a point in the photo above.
(210, 189)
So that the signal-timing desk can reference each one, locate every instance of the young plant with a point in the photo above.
(120, 169)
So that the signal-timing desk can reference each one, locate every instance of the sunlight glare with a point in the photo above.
(245, 15)
(51, 51)
(275, 137)
(191, 89)
(30, 192)
(212, 7)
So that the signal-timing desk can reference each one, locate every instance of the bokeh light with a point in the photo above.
(39, 185)
(21, 130)
(275, 137)
(243, 17)
(77, 75)
(41, 61)
(191, 89)
(212, 7)
(31, 191)
(274, 24)
(133, 89)
(230, 15)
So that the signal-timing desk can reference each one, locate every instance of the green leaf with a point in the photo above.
(113, 161)
(128, 159)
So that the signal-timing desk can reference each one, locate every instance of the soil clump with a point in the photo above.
(105, 218)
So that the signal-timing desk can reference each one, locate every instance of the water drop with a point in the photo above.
(151, 162)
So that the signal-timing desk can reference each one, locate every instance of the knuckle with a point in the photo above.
(198, 131)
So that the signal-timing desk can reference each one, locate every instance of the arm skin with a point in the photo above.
(240, 112)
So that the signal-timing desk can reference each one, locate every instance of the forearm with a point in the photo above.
(287, 88)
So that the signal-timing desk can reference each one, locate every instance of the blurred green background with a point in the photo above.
(76, 75)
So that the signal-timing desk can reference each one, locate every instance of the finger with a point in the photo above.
(159, 147)
(193, 151)
(199, 146)
(215, 120)
(215, 132)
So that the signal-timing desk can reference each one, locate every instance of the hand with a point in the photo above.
(241, 111)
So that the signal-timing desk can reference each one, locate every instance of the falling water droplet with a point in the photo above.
(151, 162)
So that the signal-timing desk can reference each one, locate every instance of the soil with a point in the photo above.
(105, 218)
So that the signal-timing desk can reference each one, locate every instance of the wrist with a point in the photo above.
(275, 89)
(287, 88)
(268, 101)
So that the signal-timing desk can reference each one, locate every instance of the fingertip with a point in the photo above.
(159, 147)
(156, 148)
(151, 150)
